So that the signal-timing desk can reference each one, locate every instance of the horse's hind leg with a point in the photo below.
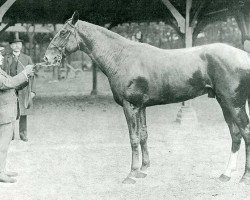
(236, 141)
(132, 114)
(244, 129)
(241, 119)
(143, 140)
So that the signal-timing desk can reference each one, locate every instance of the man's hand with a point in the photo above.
(29, 70)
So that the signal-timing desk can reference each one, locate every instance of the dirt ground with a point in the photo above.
(79, 149)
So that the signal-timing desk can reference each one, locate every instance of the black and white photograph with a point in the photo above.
(124, 99)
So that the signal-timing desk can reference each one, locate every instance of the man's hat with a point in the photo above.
(15, 39)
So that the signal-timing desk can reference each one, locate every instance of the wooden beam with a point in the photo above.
(171, 22)
(179, 18)
(217, 11)
(5, 7)
(11, 23)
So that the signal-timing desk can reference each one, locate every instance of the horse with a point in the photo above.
(141, 75)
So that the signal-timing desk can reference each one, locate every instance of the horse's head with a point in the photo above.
(65, 41)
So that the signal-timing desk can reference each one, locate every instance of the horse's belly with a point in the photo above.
(165, 92)
(167, 97)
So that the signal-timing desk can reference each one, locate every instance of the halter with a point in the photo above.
(62, 45)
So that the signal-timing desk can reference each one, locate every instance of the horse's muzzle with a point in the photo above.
(56, 60)
(45, 59)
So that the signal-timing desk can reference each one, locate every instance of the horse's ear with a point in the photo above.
(75, 17)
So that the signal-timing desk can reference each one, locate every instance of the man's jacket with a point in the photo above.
(8, 98)
(23, 93)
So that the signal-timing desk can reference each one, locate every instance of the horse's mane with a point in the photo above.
(105, 31)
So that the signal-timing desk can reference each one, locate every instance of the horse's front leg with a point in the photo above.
(132, 114)
(143, 140)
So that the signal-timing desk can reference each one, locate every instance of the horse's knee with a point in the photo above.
(134, 142)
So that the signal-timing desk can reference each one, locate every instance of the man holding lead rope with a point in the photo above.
(8, 112)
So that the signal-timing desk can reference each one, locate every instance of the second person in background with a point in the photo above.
(15, 63)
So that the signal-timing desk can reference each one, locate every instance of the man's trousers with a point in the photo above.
(6, 134)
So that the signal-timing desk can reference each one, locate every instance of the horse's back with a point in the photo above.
(233, 57)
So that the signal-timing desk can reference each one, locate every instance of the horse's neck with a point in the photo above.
(103, 46)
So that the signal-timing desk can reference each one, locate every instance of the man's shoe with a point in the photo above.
(6, 179)
(23, 137)
(11, 174)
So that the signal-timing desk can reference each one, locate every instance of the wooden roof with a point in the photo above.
(109, 11)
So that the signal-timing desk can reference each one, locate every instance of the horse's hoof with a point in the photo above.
(140, 175)
(224, 178)
(128, 180)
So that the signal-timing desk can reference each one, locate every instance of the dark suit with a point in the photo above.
(13, 66)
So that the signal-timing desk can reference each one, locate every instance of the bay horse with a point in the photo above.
(141, 75)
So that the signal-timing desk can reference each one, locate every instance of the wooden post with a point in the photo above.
(17, 35)
(188, 34)
(187, 115)
(11, 23)
(94, 71)
(188, 29)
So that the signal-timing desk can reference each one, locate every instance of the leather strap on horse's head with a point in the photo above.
(61, 47)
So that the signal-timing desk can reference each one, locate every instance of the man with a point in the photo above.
(8, 113)
(15, 63)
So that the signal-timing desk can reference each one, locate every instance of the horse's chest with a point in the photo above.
(116, 85)
(134, 90)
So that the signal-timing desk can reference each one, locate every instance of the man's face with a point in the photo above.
(16, 46)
